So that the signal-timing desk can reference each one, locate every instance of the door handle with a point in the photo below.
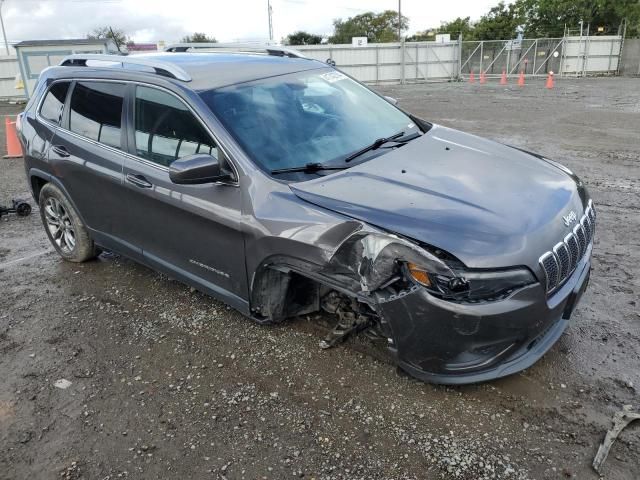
(138, 181)
(61, 150)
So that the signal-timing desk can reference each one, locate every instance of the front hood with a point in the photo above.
(488, 204)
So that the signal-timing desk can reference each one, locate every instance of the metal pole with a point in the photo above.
(481, 54)
(269, 11)
(563, 56)
(459, 57)
(399, 20)
(377, 64)
(4, 34)
(621, 51)
(535, 56)
(402, 53)
(113, 37)
(417, 57)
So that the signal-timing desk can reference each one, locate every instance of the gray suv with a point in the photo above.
(282, 187)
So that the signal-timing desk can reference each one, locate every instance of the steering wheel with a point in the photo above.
(323, 125)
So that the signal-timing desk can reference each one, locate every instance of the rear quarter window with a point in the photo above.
(53, 102)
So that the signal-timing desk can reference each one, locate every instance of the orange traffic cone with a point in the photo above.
(483, 78)
(14, 149)
(549, 84)
(503, 78)
(521, 79)
(472, 77)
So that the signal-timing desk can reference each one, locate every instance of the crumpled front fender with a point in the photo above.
(374, 258)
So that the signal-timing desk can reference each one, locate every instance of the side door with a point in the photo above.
(87, 156)
(193, 232)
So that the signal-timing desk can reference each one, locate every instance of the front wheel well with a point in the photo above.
(36, 186)
(279, 294)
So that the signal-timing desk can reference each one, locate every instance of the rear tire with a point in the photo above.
(66, 231)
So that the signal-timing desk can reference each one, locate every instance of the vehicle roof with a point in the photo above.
(214, 70)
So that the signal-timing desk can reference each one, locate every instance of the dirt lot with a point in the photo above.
(167, 383)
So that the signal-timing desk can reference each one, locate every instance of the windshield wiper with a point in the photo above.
(377, 144)
(381, 141)
(308, 168)
(374, 146)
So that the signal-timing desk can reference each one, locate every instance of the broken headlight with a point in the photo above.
(471, 285)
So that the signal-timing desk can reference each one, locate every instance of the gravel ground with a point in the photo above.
(168, 383)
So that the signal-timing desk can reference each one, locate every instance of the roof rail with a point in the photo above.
(276, 50)
(165, 69)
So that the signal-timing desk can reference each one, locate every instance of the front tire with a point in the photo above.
(66, 231)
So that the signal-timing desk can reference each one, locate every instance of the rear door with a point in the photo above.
(87, 155)
(191, 231)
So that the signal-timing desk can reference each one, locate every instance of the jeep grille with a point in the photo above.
(559, 263)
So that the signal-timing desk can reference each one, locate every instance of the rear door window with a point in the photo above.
(165, 129)
(96, 111)
(53, 102)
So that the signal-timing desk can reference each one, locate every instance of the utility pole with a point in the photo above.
(270, 12)
(4, 34)
(115, 40)
(399, 20)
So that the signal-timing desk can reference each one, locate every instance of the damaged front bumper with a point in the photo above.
(443, 342)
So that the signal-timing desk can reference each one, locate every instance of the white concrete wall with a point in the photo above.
(591, 54)
(383, 63)
(8, 72)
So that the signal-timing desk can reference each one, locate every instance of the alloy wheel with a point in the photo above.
(59, 225)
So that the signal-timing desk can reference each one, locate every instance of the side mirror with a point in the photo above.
(331, 62)
(391, 100)
(196, 169)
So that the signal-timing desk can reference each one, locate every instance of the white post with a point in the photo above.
(399, 20)
(402, 62)
(269, 11)
(459, 56)
(4, 34)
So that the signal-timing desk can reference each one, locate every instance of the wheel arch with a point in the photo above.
(38, 179)
(286, 285)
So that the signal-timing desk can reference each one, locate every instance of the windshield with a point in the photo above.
(307, 117)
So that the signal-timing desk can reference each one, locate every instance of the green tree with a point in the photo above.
(302, 38)
(118, 36)
(544, 18)
(499, 24)
(377, 27)
(458, 26)
(198, 38)
(549, 17)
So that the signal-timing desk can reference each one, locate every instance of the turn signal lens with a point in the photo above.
(419, 275)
